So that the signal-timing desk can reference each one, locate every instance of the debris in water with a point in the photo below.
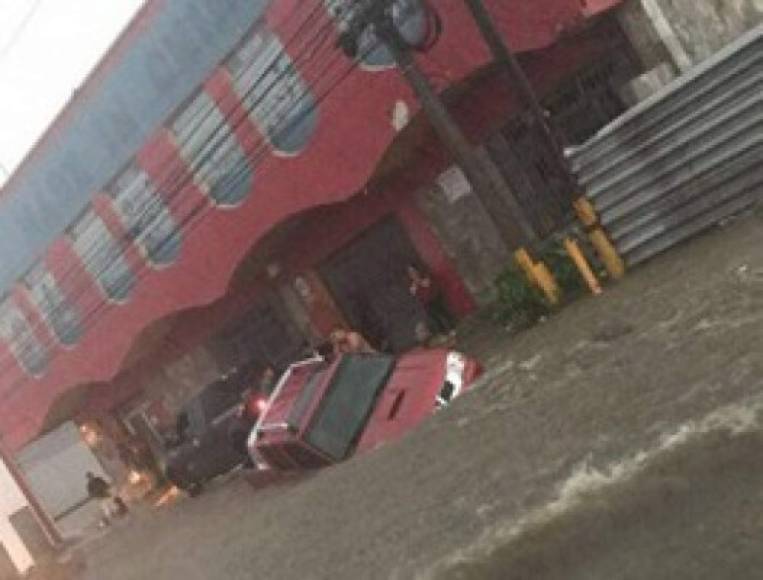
(530, 364)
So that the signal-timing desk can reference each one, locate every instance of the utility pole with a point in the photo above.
(509, 64)
(484, 176)
(42, 517)
(517, 78)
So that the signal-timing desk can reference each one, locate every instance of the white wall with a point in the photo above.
(705, 26)
(11, 501)
(686, 32)
(55, 466)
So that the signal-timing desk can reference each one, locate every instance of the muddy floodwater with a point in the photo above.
(690, 508)
(619, 440)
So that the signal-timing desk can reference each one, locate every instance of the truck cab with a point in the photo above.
(322, 412)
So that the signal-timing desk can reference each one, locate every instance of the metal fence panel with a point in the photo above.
(684, 159)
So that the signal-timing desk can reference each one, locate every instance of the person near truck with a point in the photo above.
(346, 341)
(99, 489)
(432, 299)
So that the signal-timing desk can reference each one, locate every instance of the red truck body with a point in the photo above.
(322, 413)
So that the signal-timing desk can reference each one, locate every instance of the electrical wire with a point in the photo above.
(86, 258)
(89, 281)
(11, 391)
(194, 215)
(177, 168)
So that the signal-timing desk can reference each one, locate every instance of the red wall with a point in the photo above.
(353, 133)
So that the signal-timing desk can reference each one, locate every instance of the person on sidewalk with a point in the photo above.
(98, 488)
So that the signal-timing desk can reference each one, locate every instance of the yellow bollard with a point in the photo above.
(586, 212)
(604, 247)
(576, 255)
(608, 253)
(539, 275)
(547, 283)
(525, 262)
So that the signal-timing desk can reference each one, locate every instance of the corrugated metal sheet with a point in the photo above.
(684, 159)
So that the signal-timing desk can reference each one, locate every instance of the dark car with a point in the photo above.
(203, 448)
(321, 413)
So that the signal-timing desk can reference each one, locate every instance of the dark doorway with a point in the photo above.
(369, 283)
(580, 106)
(262, 337)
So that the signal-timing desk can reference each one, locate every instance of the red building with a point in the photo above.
(228, 186)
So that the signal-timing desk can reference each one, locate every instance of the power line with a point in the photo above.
(181, 174)
(192, 220)
(243, 162)
(176, 168)
(87, 280)
(172, 180)
(198, 211)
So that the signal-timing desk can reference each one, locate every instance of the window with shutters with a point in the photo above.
(273, 92)
(210, 148)
(17, 332)
(102, 256)
(145, 216)
(53, 305)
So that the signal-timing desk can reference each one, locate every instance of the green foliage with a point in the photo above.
(564, 270)
(519, 303)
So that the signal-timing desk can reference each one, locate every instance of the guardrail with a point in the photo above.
(682, 160)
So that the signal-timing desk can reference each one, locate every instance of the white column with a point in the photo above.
(11, 501)
(668, 36)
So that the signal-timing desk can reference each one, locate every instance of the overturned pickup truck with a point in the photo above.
(320, 412)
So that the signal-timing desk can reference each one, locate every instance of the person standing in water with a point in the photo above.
(430, 296)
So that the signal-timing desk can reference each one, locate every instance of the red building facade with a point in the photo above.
(287, 185)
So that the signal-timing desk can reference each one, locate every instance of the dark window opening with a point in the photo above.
(302, 403)
(348, 402)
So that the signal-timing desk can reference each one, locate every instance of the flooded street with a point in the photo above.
(381, 290)
(620, 439)
(688, 509)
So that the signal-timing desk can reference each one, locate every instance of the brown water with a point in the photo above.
(692, 509)
(556, 467)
